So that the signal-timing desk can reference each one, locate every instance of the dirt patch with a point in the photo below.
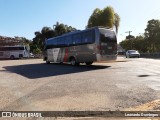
(153, 105)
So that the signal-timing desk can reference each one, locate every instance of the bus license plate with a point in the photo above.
(109, 47)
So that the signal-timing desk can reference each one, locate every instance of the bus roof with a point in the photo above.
(78, 31)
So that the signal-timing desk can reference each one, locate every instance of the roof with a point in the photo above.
(9, 41)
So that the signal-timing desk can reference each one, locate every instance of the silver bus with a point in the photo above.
(86, 46)
(13, 52)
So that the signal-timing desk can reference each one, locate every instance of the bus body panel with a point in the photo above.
(87, 53)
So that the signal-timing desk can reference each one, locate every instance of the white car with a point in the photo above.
(132, 53)
(32, 55)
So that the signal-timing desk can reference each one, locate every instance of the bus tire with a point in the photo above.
(73, 62)
(12, 57)
(47, 62)
(89, 63)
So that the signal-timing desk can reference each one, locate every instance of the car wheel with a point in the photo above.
(47, 62)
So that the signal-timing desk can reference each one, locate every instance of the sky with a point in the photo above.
(24, 17)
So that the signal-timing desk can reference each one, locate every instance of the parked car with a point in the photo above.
(32, 55)
(132, 53)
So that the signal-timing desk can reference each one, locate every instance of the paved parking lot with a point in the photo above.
(127, 84)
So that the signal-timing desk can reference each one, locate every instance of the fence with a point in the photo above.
(150, 55)
(38, 56)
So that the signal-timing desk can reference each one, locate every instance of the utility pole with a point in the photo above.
(129, 32)
(129, 37)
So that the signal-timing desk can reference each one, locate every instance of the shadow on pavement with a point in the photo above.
(33, 71)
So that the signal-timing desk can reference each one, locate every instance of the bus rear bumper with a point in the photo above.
(106, 57)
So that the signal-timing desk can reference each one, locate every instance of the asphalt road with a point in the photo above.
(33, 85)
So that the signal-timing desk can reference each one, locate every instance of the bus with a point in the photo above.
(14, 52)
(86, 46)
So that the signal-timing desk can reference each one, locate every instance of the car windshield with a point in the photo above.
(132, 51)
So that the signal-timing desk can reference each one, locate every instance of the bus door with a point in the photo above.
(56, 52)
(50, 55)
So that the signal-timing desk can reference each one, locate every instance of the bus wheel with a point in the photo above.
(73, 62)
(12, 57)
(47, 62)
(89, 63)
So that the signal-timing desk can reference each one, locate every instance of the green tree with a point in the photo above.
(106, 17)
(139, 43)
(126, 44)
(61, 29)
(26, 42)
(136, 43)
(37, 41)
(47, 32)
(93, 20)
(37, 51)
(116, 21)
(150, 42)
(152, 35)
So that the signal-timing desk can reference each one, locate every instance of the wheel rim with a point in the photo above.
(73, 62)
(47, 61)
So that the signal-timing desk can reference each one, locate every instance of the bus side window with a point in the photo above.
(88, 37)
(47, 47)
(60, 42)
(77, 39)
(4, 49)
(63, 42)
(49, 42)
(1, 53)
(68, 41)
(53, 43)
(10, 48)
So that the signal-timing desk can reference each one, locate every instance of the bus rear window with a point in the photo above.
(107, 35)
